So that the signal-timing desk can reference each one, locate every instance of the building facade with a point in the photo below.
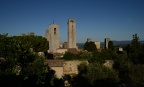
(52, 35)
(97, 43)
(71, 33)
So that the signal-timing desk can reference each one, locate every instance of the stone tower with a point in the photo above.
(106, 42)
(71, 33)
(52, 35)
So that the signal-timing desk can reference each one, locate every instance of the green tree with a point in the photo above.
(9, 51)
(100, 57)
(34, 70)
(136, 76)
(135, 42)
(20, 61)
(37, 43)
(99, 75)
(69, 56)
(111, 46)
(135, 50)
(90, 46)
(80, 80)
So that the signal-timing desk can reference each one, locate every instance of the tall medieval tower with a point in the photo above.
(52, 35)
(71, 33)
(106, 42)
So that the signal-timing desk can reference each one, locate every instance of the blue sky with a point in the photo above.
(96, 19)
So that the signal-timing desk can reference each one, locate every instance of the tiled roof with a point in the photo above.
(73, 50)
(55, 63)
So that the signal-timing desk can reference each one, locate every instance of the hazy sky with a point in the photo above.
(96, 19)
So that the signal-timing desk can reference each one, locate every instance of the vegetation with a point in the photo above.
(111, 46)
(22, 67)
(128, 68)
(90, 46)
(37, 43)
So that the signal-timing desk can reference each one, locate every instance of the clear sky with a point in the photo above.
(95, 19)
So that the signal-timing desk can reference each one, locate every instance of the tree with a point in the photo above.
(9, 51)
(20, 62)
(80, 80)
(34, 71)
(135, 50)
(135, 42)
(136, 76)
(90, 46)
(99, 75)
(37, 43)
(69, 56)
(111, 46)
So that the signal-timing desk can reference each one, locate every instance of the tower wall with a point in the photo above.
(106, 42)
(97, 43)
(52, 35)
(71, 33)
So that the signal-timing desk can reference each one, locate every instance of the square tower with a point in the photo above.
(71, 33)
(52, 35)
(106, 42)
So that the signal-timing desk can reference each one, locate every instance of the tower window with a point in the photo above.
(54, 30)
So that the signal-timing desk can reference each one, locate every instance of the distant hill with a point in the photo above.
(122, 42)
(125, 42)
(116, 43)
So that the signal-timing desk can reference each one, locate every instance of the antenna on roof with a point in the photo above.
(53, 21)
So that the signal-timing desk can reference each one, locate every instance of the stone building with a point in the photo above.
(62, 67)
(31, 33)
(97, 43)
(57, 66)
(71, 67)
(89, 39)
(71, 33)
(65, 45)
(106, 42)
(52, 35)
(22, 34)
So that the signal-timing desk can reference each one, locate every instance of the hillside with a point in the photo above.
(116, 43)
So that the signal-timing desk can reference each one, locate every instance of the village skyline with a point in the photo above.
(96, 19)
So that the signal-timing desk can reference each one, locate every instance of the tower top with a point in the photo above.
(71, 20)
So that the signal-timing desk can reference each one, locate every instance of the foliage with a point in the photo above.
(34, 68)
(136, 75)
(80, 56)
(95, 75)
(131, 74)
(68, 56)
(111, 46)
(9, 51)
(37, 43)
(103, 55)
(21, 66)
(100, 72)
(135, 50)
(90, 46)
(82, 69)
(20, 63)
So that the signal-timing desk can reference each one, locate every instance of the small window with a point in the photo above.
(54, 30)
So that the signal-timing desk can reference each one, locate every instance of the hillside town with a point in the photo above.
(31, 60)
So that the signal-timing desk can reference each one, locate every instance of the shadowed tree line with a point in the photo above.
(20, 64)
